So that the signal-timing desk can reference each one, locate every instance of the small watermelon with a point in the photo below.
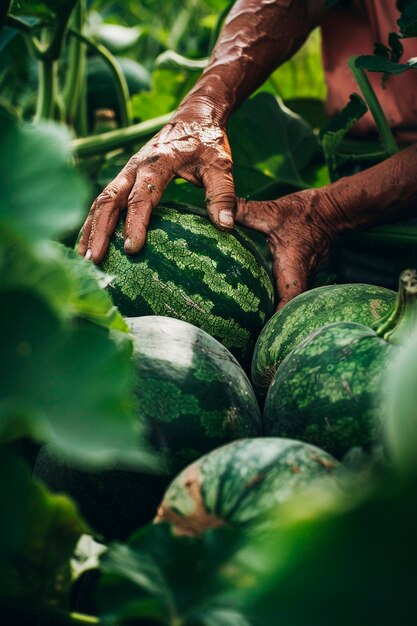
(189, 270)
(328, 390)
(240, 482)
(362, 304)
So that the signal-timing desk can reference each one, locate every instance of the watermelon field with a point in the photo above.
(176, 448)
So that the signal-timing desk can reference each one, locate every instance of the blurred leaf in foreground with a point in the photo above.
(174, 580)
(38, 534)
(65, 383)
(42, 195)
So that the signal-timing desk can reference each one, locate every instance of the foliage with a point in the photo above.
(66, 376)
(39, 532)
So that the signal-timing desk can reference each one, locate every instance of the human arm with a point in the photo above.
(257, 37)
(301, 227)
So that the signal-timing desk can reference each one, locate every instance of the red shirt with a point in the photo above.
(348, 32)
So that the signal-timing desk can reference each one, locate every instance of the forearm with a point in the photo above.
(258, 36)
(384, 193)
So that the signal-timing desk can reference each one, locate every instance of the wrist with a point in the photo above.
(209, 101)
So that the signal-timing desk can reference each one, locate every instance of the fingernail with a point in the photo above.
(226, 218)
(128, 244)
(88, 255)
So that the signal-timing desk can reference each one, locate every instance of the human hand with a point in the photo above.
(299, 229)
(190, 146)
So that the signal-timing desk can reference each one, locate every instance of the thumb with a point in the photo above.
(220, 195)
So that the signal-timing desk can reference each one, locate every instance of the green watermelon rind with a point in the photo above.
(359, 303)
(192, 394)
(326, 391)
(240, 482)
(230, 297)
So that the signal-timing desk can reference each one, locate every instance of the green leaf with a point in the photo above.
(266, 136)
(303, 74)
(141, 578)
(168, 89)
(379, 64)
(408, 20)
(350, 562)
(116, 37)
(39, 8)
(38, 534)
(89, 299)
(41, 195)
(334, 132)
(71, 285)
(66, 383)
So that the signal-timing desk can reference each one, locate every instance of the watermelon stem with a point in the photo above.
(401, 322)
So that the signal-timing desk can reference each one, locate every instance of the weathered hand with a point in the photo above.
(299, 231)
(189, 146)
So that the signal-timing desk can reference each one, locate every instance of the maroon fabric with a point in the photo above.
(348, 32)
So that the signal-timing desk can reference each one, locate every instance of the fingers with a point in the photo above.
(103, 215)
(257, 215)
(220, 194)
(291, 275)
(144, 197)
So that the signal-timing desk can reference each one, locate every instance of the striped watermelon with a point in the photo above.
(238, 483)
(191, 271)
(328, 391)
(192, 394)
(363, 304)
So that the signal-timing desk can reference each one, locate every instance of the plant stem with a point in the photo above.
(375, 107)
(123, 95)
(401, 323)
(122, 137)
(76, 68)
(45, 107)
(33, 43)
(53, 50)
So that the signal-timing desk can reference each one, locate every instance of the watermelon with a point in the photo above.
(328, 389)
(191, 271)
(363, 304)
(240, 482)
(192, 395)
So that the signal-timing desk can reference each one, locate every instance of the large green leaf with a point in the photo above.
(303, 74)
(168, 89)
(352, 561)
(408, 19)
(71, 285)
(379, 64)
(66, 383)
(38, 534)
(41, 7)
(175, 580)
(41, 195)
(268, 137)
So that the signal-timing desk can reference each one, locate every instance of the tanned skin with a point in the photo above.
(258, 36)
